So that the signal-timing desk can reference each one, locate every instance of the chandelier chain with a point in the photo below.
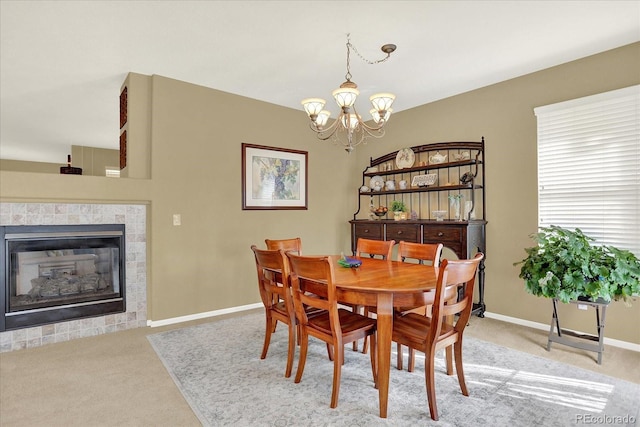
(350, 45)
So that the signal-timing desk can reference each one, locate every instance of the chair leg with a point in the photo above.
(304, 345)
(412, 360)
(330, 351)
(448, 351)
(399, 363)
(356, 309)
(338, 359)
(374, 359)
(429, 375)
(267, 335)
(459, 370)
(291, 351)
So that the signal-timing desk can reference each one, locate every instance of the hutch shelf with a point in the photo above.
(449, 210)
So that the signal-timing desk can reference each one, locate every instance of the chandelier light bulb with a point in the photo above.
(350, 121)
(323, 117)
(313, 106)
(378, 118)
(382, 101)
(346, 96)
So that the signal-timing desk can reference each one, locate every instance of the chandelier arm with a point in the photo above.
(375, 131)
(324, 134)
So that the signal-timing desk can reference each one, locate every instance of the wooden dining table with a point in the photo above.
(385, 284)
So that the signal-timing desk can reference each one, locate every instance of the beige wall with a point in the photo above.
(503, 114)
(92, 161)
(26, 166)
(195, 136)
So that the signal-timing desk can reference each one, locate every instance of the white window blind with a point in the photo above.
(589, 166)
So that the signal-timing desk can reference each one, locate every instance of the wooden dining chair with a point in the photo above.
(381, 249)
(276, 297)
(294, 244)
(312, 283)
(374, 248)
(429, 334)
(421, 253)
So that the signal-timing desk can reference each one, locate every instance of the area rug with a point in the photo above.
(218, 369)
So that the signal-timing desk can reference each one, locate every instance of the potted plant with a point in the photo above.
(567, 265)
(399, 210)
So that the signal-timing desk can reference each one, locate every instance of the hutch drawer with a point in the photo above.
(406, 232)
(442, 234)
(368, 231)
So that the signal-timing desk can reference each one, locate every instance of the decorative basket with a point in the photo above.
(424, 180)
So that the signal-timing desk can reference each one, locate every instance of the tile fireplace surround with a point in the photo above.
(134, 218)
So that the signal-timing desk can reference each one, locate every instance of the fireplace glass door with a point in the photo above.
(62, 272)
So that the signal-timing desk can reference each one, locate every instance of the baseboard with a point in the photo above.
(198, 316)
(545, 327)
(535, 325)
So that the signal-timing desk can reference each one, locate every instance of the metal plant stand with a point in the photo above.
(573, 339)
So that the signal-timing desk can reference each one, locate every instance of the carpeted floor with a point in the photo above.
(217, 368)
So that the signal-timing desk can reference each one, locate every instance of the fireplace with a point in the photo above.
(55, 273)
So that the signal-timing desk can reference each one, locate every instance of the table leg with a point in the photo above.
(385, 325)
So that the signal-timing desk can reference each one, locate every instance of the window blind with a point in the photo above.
(589, 166)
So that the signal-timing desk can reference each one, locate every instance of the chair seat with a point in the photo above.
(349, 321)
(414, 328)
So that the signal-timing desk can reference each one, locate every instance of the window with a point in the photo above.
(589, 166)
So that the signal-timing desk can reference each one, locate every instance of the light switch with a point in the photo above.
(177, 219)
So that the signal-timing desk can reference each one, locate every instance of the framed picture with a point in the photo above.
(273, 178)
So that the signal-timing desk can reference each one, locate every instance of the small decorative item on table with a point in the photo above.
(349, 262)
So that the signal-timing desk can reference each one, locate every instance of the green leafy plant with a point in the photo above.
(567, 265)
(398, 206)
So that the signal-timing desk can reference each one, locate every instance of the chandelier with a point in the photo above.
(349, 129)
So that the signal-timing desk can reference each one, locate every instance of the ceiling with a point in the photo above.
(62, 63)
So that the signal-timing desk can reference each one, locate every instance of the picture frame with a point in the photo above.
(273, 178)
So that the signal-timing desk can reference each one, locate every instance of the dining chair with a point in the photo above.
(313, 285)
(419, 253)
(381, 249)
(430, 334)
(374, 248)
(276, 297)
(294, 244)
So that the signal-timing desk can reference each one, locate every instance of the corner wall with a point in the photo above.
(503, 114)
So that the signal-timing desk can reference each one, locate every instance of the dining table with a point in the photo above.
(385, 284)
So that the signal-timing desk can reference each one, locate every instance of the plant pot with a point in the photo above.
(397, 216)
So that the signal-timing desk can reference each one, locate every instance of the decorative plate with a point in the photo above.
(405, 158)
(376, 180)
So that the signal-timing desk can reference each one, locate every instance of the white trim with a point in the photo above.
(198, 316)
(535, 325)
(579, 102)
